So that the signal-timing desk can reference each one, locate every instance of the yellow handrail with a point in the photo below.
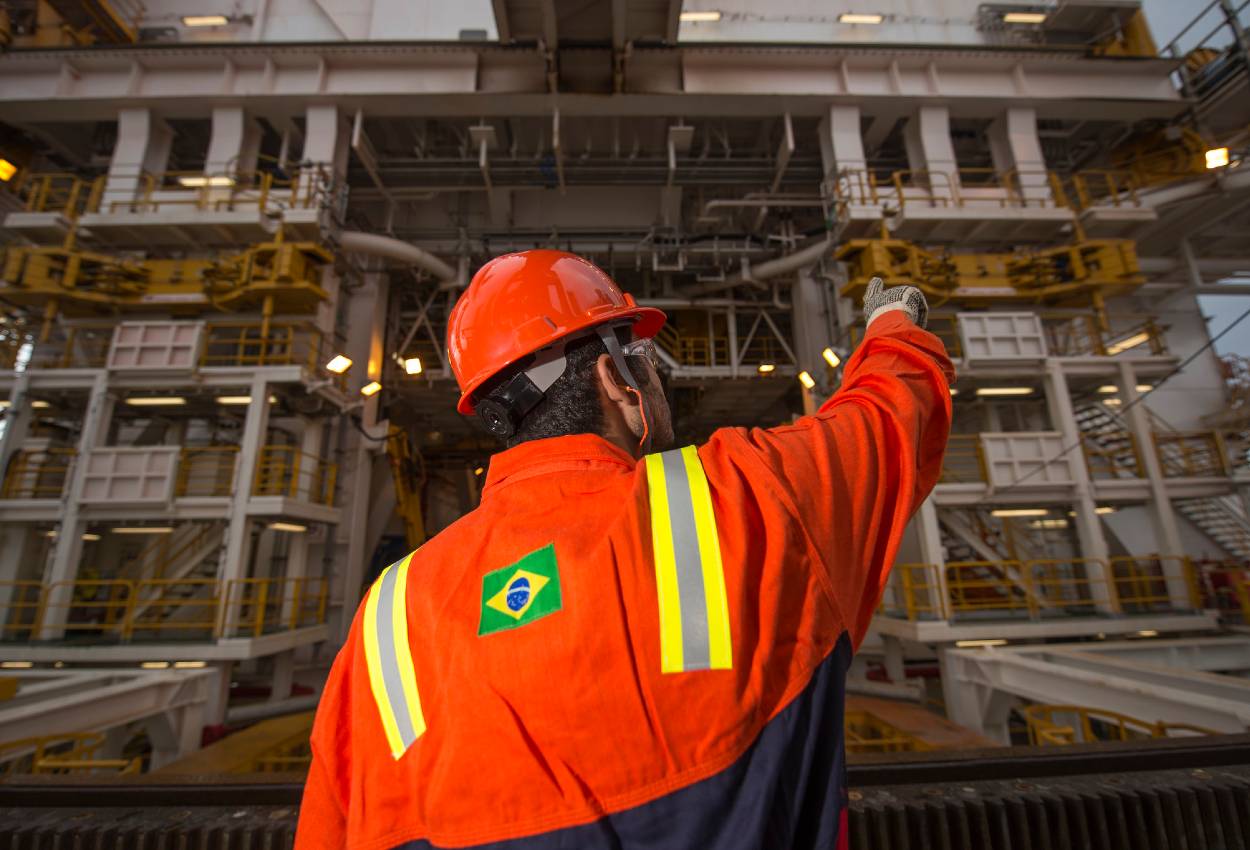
(206, 471)
(73, 752)
(1096, 724)
(40, 474)
(193, 608)
(287, 471)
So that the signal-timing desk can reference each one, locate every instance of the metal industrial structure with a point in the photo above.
(232, 232)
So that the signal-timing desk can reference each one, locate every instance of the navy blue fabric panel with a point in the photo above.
(785, 793)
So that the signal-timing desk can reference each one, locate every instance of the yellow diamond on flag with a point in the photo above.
(517, 594)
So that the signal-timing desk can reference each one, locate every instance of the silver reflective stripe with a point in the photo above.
(388, 660)
(695, 646)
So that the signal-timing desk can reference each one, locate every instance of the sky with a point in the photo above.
(1167, 18)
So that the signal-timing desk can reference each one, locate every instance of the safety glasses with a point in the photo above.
(642, 348)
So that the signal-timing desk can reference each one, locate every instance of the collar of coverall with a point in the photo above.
(537, 457)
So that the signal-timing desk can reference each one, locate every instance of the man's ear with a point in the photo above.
(613, 385)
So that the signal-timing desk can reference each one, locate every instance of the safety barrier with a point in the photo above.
(1191, 454)
(1041, 588)
(1113, 455)
(867, 733)
(52, 192)
(206, 471)
(310, 188)
(287, 471)
(39, 474)
(75, 348)
(121, 610)
(73, 752)
(1050, 725)
(1084, 334)
(914, 593)
(252, 345)
(964, 461)
(961, 187)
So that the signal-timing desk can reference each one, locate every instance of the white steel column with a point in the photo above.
(325, 145)
(1167, 533)
(63, 566)
(1088, 525)
(933, 552)
(927, 138)
(367, 319)
(283, 675)
(234, 565)
(13, 540)
(1016, 149)
(16, 421)
(841, 145)
(143, 145)
(810, 324)
(234, 145)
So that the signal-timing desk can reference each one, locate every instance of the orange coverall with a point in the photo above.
(578, 663)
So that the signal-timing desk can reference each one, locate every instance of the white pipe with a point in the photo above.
(771, 268)
(265, 710)
(1235, 181)
(355, 242)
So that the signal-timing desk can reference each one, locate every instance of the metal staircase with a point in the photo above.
(1109, 440)
(171, 572)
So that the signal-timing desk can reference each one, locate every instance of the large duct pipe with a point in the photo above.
(265, 710)
(355, 242)
(771, 268)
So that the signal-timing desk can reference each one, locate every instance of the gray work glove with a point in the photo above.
(878, 300)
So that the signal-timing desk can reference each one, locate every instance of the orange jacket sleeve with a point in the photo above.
(323, 809)
(853, 474)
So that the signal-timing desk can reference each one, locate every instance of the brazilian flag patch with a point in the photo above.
(521, 593)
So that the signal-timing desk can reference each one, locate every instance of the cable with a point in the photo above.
(1140, 398)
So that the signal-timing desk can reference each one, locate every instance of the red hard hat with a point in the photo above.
(520, 303)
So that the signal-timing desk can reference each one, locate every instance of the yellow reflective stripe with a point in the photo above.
(665, 568)
(373, 662)
(403, 651)
(720, 646)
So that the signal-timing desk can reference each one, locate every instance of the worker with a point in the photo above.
(626, 645)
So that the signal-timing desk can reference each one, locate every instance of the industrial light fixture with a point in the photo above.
(241, 399)
(860, 18)
(50, 533)
(1004, 391)
(1105, 509)
(831, 357)
(7, 170)
(40, 405)
(90, 538)
(807, 380)
(294, 527)
(966, 644)
(1148, 633)
(199, 181)
(156, 401)
(766, 368)
(189, 665)
(339, 364)
(1049, 523)
(1112, 402)
(1127, 343)
(412, 365)
(1112, 389)
(1216, 158)
(155, 665)
(479, 470)
(143, 529)
(370, 389)
(953, 391)
(1013, 512)
(205, 20)
(700, 17)
(17, 665)
(1024, 17)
